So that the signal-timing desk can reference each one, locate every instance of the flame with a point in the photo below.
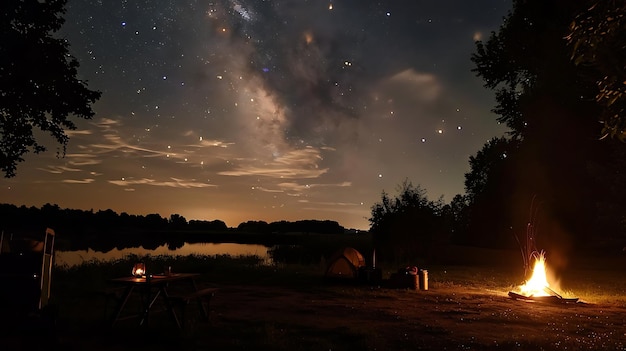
(139, 269)
(538, 284)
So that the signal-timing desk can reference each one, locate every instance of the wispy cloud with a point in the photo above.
(73, 133)
(59, 169)
(173, 183)
(78, 181)
(300, 163)
(291, 186)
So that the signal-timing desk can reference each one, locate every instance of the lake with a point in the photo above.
(74, 258)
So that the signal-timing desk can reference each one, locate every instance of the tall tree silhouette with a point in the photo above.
(488, 187)
(408, 225)
(598, 41)
(550, 107)
(38, 84)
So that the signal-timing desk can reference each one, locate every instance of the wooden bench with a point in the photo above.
(201, 297)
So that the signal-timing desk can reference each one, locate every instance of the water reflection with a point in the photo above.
(73, 258)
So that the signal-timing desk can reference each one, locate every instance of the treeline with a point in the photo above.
(103, 230)
(80, 222)
(303, 226)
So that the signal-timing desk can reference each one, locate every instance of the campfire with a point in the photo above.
(537, 287)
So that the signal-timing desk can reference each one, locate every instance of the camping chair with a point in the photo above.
(25, 271)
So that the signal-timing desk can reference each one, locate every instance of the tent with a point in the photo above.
(345, 263)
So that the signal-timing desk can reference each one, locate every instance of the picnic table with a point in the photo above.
(152, 288)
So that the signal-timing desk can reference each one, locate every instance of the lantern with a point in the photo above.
(139, 270)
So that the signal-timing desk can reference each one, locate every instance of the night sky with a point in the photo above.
(268, 110)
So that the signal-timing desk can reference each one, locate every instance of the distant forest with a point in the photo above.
(104, 230)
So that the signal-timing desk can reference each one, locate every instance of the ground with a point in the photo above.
(467, 307)
(445, 317)
(345, 316)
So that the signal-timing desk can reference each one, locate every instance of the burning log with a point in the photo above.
(550, 298)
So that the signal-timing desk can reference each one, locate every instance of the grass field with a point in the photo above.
(292, 307)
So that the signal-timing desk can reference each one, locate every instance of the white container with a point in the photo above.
(423, 279)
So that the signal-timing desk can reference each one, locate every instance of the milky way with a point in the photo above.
(268, 110)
